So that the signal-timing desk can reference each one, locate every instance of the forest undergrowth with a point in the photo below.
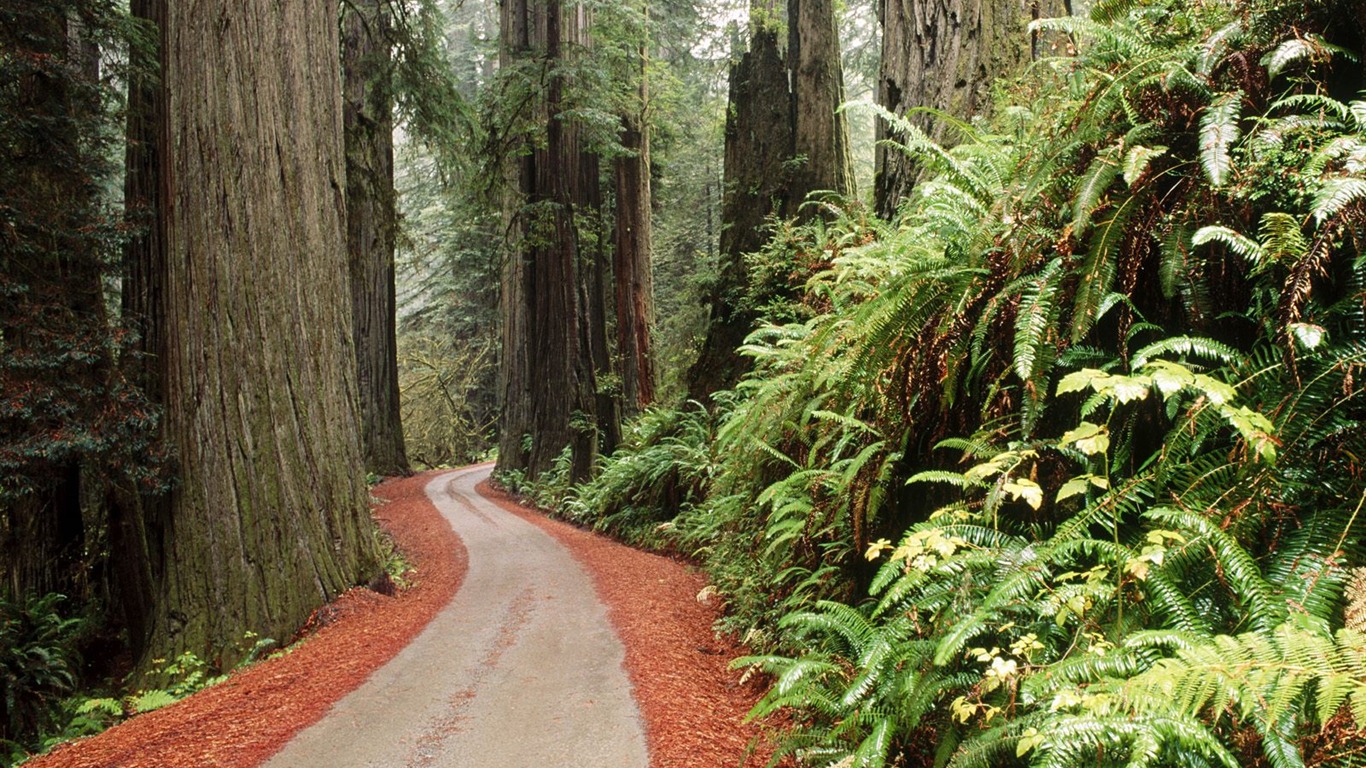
(1064, 465)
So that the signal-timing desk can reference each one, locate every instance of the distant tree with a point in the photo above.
(820, 134)
(69, 421)
(246, 287)
(372, 226)
(634, 274)
(784, 141)
(547, 372)
(578, 262)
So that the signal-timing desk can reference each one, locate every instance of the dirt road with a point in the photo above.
(522, 668)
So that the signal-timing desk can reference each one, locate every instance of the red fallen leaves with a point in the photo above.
(244, 720)
(693, 705)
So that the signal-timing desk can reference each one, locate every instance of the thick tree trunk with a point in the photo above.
(820, 131)
(137, 558)
(784, 140)
(253, 310)
(759, 143)
(595, 278)
(371, 228)
(514, 365)
(631, 256)
(548, 368)
(945, 54)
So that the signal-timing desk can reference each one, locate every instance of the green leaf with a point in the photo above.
(148, 701)
(1127, 389)
(1138, 159)
(1028, 490)
(1083, 432)
(1239, 243)
(1074, 487)
(1218, 132)
(1080, 381)
(1335, 194)
(1308, 335)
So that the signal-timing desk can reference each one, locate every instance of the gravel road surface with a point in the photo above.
(522, 668)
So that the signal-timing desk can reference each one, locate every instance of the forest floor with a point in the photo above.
(691, 704)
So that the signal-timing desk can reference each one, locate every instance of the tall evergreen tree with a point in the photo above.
(945, 56)
(784, 140)
(372, 227)
(245, 285)
(573, 271)
(546, 381)
(633, 241)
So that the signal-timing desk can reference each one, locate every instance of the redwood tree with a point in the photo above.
(784, 141)
(371, 227)
(632, 244)
(245, 285)
(543, 367)
(571, 271)
(945, 55)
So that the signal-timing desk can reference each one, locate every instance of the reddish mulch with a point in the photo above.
(693, 703)
(249, 717)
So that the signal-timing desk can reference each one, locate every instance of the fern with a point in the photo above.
(1218, 132)
(1335, 194)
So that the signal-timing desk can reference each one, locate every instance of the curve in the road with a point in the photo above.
(522, 668)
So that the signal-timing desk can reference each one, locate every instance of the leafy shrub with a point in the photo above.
(444, 421)
(38, 666)
(663, 466)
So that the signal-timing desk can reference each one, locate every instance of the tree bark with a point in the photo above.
(371, 229)
(631, 256)
(514, 364)
(820, 131)
(137, 557)
(548, 368)
(252, 309)
(759, 144)
(944, 54)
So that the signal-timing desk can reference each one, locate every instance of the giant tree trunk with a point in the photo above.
(759, 144)
(631, 258)
(547, 367)
(514, 364)
(595, 314)
(820, 131)
(784, 140)
(371, 227)
(252, 306)
(944, 54)
(137, 558)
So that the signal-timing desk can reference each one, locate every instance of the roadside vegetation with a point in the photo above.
(1062, 466)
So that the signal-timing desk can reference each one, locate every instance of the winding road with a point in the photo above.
(522, 667)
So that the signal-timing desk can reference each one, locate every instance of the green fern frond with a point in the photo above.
(1335, 194)
(1218, 132)
(1240, 244)
(1282, 239)
(1213, 49)
(1098, 270)
(1237, 565)
(1094, 183)
(1186, 346)
(1111, 11)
